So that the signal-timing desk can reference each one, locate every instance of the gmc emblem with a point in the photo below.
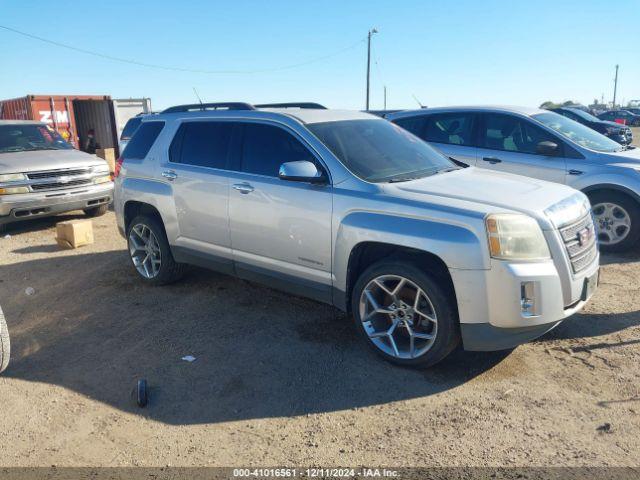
(584, 236)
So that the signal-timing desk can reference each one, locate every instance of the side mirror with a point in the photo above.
(301, 171)
(547, 148)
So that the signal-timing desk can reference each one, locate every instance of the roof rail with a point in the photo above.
(312, 105)
(209, 106)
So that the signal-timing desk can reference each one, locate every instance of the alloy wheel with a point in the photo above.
(145, 250)
(612, 221)
(398, 316)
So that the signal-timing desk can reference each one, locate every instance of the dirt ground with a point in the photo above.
(280, 380)
(636, 136)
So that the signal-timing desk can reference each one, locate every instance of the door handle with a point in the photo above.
(243, 188)
(170, 175)
(492, 160)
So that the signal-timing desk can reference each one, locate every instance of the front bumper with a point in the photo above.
(14, 208)
(490, 306)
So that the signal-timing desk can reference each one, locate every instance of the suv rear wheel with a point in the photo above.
(404, 314)
(617, 220)
(150, 252)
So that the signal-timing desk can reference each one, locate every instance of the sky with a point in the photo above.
(440, 52)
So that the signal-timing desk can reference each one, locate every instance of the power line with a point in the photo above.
(179, 69)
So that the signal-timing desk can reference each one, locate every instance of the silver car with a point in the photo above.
(544, 145)
(349, 209)
(42, 175)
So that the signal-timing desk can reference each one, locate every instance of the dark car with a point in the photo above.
(621, 116)
(634, 110)
(615, 131)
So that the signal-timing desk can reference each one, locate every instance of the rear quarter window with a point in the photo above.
(142, 140)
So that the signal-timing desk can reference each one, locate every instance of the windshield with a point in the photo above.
(380, 151)
(584, 115)
(27, 137)
(131, 126)
(578, 133)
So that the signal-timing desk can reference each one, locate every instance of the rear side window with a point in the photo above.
(415, 125)
(451, 128)
(142, 140)
(130, 128)
(265, 148)
(204, 144)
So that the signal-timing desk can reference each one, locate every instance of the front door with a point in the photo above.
(280, 230)
(508, 143)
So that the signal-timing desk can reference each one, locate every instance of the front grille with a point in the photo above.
(57, 185)
(582, 252)
(57, 173)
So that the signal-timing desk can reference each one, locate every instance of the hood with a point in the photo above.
(622, 157)
(22, 162)
(491, 191)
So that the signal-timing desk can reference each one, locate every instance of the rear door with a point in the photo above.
(451, 133)
(280, 230)
(508, 143)
(197, 168)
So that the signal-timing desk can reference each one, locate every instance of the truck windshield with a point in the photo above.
(21, 138)
(380, 151)
(577, 133)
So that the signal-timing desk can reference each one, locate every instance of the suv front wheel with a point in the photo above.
(150, 253)
(404, 314)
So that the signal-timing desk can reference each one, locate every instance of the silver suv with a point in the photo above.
(354, 211)
(41, 174)
(545, 145)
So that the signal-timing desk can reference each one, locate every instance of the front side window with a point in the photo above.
(450, 128)
(29, 137)
(204, 144)
(513, 134)
(577, 133)
(266, 147)
(380, 151)
(142, 140)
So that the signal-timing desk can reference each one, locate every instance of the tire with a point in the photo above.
(168, 270)
(5, 345)
(436, 301)
(96, 211)
(604, 217)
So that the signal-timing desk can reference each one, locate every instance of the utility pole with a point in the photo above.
(371, 32)
(385, 97)
(615, 88)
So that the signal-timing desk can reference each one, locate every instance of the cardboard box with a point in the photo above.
(74, 233)
(108, 154)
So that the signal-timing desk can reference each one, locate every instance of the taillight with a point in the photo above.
(118, 167)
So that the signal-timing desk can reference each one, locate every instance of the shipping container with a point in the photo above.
(127, 108)
(71, 115)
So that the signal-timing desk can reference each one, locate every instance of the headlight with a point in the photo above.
(104, 179)
(515, 237)
(12, 177)
(13, 190)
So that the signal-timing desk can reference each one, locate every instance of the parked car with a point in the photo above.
(41, 174)
(616, 132)
(544, 145)
(349, 209)
(634, 110)
(621, 116)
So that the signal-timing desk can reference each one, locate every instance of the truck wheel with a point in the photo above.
(96, 211)
(404, 314)
(617, 220)
(150, 252)
(5, 346)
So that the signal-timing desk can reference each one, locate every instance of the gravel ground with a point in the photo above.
(280, 380)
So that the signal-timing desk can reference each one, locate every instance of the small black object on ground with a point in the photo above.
(141, 393)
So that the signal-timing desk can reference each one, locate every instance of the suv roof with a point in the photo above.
(304, 112)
